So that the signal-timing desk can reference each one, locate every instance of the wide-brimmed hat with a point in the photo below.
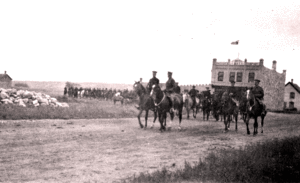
(154, 72)
(170, 73)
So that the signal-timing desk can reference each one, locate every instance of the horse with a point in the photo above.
(163, 104)
(206, 106)
(217, 106)
(230, 107)
(254, 110)
(116, 98)
(188, 104)
(146, 103)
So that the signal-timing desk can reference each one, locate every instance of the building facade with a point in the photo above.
(292, 96)
(244, 73)
(5, 80)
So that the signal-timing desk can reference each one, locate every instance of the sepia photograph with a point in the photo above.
(131, 91)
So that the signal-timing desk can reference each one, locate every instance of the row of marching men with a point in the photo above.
(79, 92)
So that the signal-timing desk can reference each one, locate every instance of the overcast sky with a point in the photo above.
(121, 41)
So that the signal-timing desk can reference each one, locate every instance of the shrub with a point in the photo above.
(272, 161)
(22, 85)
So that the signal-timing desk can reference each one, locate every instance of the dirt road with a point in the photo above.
(108, 150)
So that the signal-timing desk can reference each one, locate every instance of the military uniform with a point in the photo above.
(232, 90)
(193, 93)
(170, 90)
(152, 81)
(258, 92)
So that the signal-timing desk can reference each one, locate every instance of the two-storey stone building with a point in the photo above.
(292, 96)
(244, 73)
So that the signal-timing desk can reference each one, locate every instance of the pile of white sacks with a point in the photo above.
(27, 98)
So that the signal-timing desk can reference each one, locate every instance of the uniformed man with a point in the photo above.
(232, 90)
(207, 93)
(193, 93)
(170, 85)
(65, 91)
(152, 81)
(258, 92)
(177, 88)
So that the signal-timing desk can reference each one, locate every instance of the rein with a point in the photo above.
(160, 101)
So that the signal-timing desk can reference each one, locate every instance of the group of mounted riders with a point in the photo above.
(104, 93)
(228, 103)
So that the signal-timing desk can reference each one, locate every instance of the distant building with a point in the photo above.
(292, 96)
(5, 80)
(244, 73)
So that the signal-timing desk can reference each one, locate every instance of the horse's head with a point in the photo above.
(185, 96)
(249, 95)
(155, 91)
(138, 88)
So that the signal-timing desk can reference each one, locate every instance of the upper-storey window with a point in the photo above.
(239, 77)
(232, 76)
(251, 77)
(220, 76)
(292, 95)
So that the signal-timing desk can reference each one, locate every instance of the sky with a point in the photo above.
(119, 41)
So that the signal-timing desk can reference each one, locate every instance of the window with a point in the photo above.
(239, 77)
(232, 76)
(292, 95)
(220, 76)
(251, 77)
(291, 106)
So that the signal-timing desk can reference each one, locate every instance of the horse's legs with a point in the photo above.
(155, 116)
(247, 123)
(203, 115)
(139, 115)
(188, 112)
(171, 120)
(207, 115)
(236, 119)
(180, 117)
(255, 125)
(225, 122)
(228, 121)
(146, 118)
(262, 124)
(160, 118)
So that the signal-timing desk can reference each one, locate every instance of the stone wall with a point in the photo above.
(273, 84)
(200, 87)
(287, 99)
(6, 84)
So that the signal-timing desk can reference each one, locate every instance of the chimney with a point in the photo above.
(292, 80)
(261, 61)
(214, 61)
(274, 65)
(5, 72)
(141, 79)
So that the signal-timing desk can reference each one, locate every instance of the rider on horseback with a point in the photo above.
(193, 93)
(258, 92)
(170, 86)
(152, 82)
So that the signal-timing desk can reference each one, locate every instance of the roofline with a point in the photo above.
(292, 86)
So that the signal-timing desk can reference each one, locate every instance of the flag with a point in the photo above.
(235, 42)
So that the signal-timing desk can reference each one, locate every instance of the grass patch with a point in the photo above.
(79, 109)
(271, 161)
(21, 85)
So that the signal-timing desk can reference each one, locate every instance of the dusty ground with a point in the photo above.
(109, 150)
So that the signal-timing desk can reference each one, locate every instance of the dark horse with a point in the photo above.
(146, 103)
(217, 106)
(163, 104)
(206, 106)
(253, 110)
(230, 107)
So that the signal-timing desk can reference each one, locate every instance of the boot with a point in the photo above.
(264, 110)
